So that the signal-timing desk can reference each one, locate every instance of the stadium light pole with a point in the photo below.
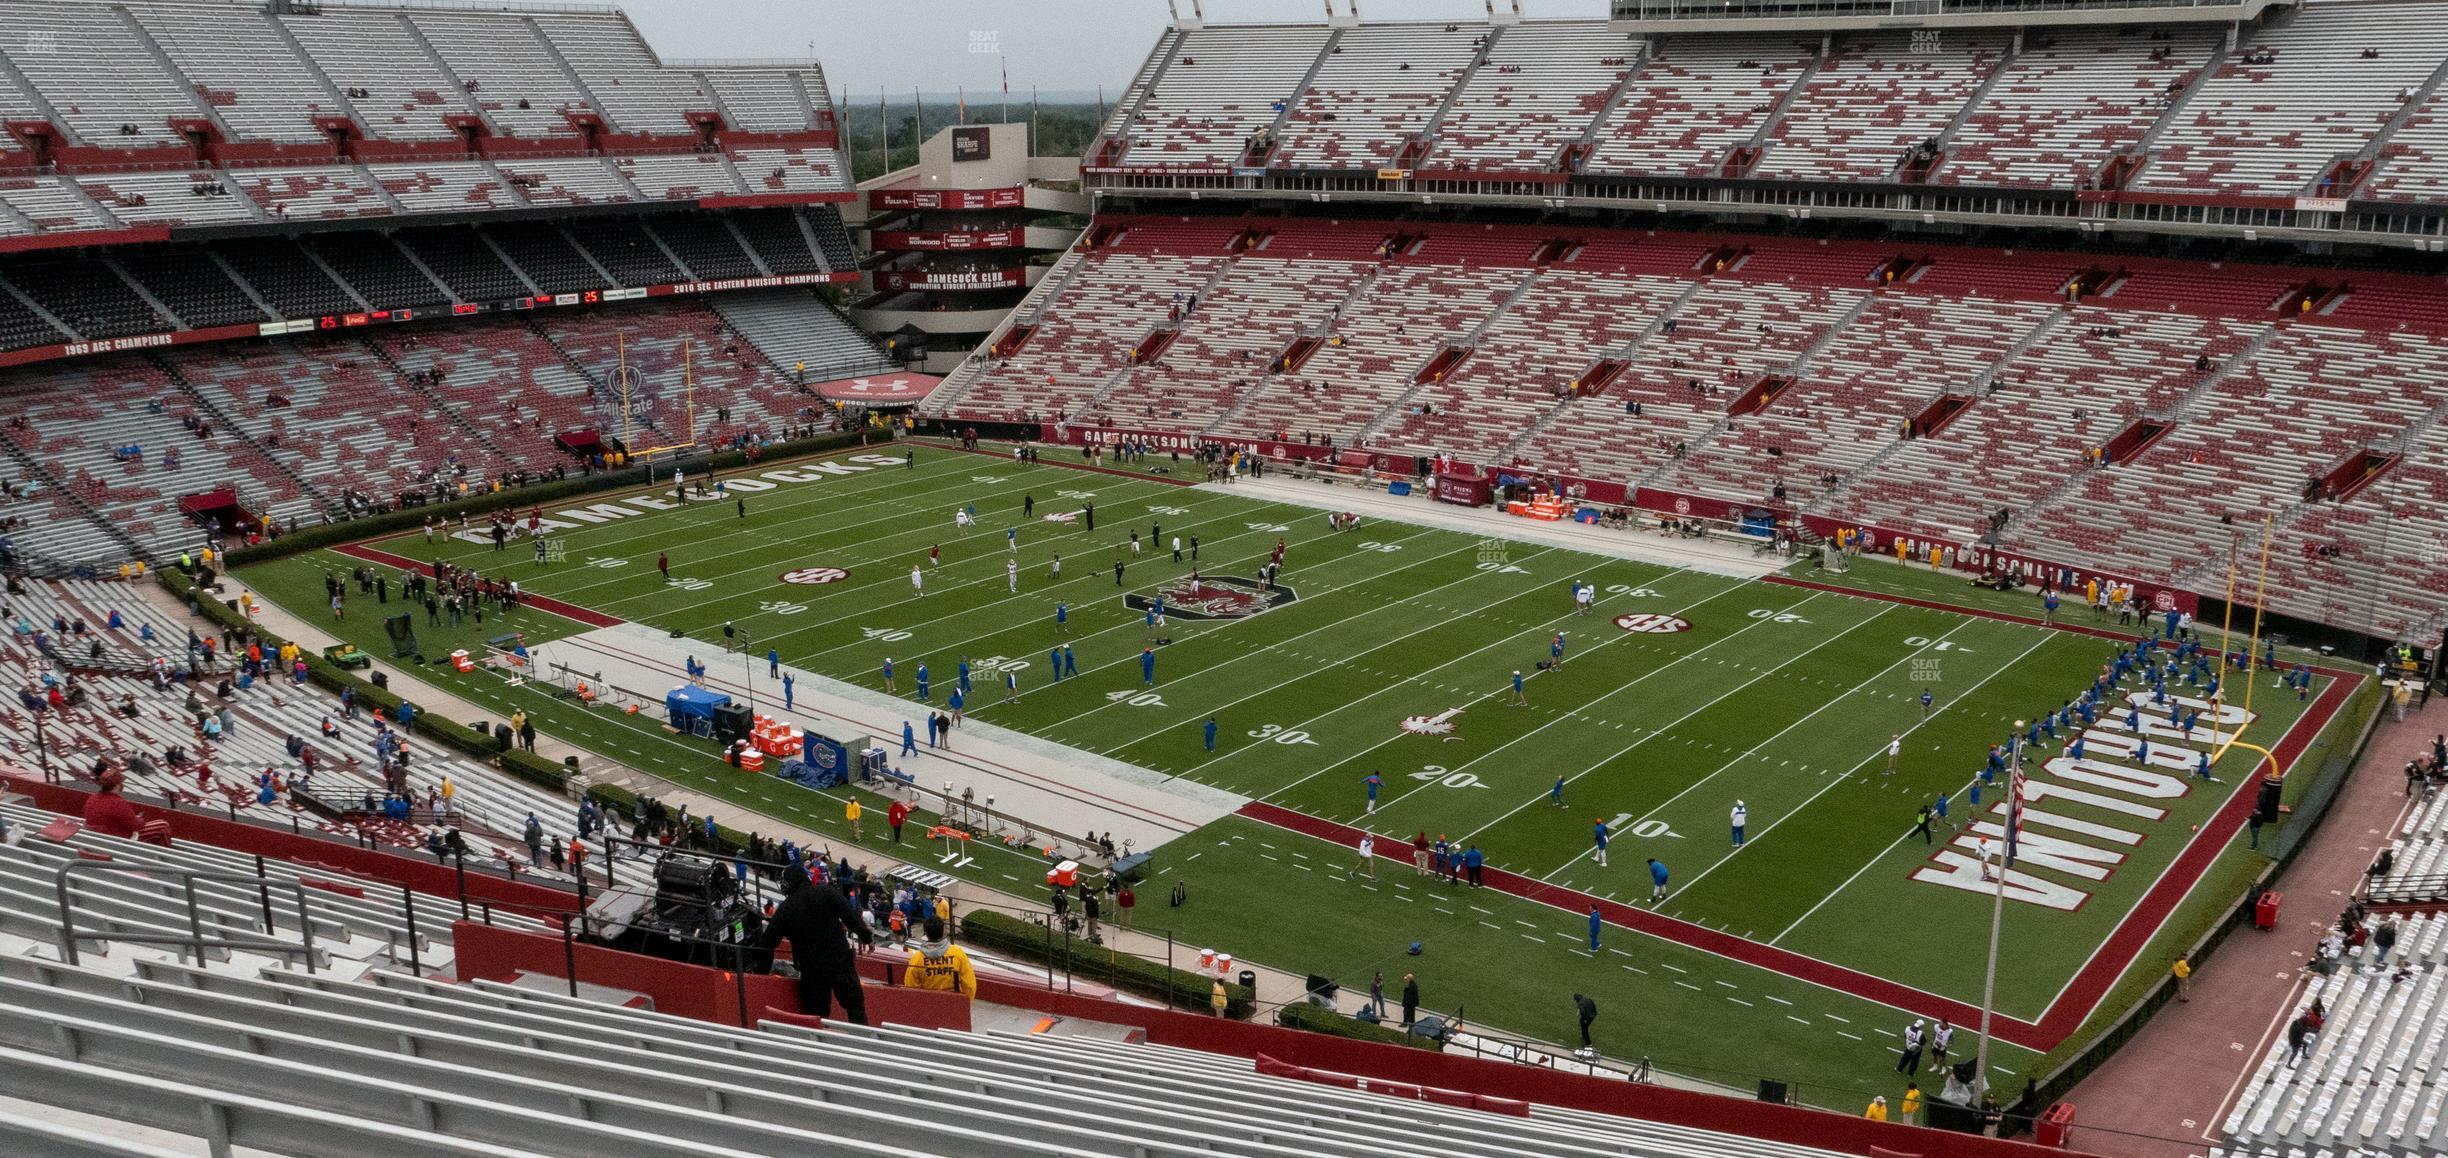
(1997, 918)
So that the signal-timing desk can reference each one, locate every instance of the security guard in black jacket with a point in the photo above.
(817, 920)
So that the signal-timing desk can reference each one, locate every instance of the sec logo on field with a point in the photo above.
(1653, 624)
(815, 575)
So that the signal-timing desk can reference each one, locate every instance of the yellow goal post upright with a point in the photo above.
(626, 381)
(2218, 744)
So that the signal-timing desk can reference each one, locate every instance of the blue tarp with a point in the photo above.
(688, 704)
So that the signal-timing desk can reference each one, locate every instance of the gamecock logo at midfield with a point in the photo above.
(1215, 597)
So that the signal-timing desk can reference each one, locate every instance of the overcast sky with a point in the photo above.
(938, 45)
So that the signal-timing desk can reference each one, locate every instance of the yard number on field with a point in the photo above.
(1387, 548)
(1137, 699)
(781, 607)
(606, 564)
(1629, 590)
(1934, 644)
(1168, 510)
(1774, 616)
(887, 634)
(1268, 528)
(1277, 733)
(1647, 829)
(1443, 778)
(685, 583)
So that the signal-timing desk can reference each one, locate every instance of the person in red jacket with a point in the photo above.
(896, 816)
(109, 813)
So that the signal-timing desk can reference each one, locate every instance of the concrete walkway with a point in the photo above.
(1048, 787)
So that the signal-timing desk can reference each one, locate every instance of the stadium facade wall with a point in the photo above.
(491, 953)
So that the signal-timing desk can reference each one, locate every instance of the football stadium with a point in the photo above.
(1659, 579)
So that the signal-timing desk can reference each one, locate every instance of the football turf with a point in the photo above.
(1781, 696)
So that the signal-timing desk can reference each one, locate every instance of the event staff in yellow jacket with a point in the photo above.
(937, 963)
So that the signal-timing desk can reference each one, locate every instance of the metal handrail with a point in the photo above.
(69, 935)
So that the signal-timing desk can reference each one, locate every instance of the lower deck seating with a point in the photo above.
(222, 773)
(341, 423)
(2374, 1079)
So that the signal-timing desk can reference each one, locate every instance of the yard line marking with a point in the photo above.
(1637, 969)
(1677, 969)
(1803, 1020)
(1498, 928)
(1729, 984)
(1814, 714)
(1087, 577)
(1626, 749)
(1775, 998)
(1866, 761)
(1833, 1017)
(1740, 1001)
(1841, 1033)
(1700, 652)
(1329, 665)
(1481, 697)
(2044, 639)
(1690, 986)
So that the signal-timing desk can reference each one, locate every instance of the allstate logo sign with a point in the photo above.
(814, 575)
(1653, 624)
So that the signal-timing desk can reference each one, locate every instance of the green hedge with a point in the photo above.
(330, 676)
(1180, 988)
(540, 771)
(1319, 1019)
(411, 518)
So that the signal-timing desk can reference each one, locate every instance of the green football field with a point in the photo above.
(1799, 955)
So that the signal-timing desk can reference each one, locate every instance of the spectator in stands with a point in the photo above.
(937, 963)
(109, 813)
(816, 919)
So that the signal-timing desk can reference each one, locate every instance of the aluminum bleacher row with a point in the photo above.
(2045, 106)
(150, 74)
(376, 1060)
(2420, 869)
(2376, 1079)
(149, 289)
(291, 423)
(2255, 400)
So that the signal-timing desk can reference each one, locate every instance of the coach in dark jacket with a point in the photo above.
(817, 921)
